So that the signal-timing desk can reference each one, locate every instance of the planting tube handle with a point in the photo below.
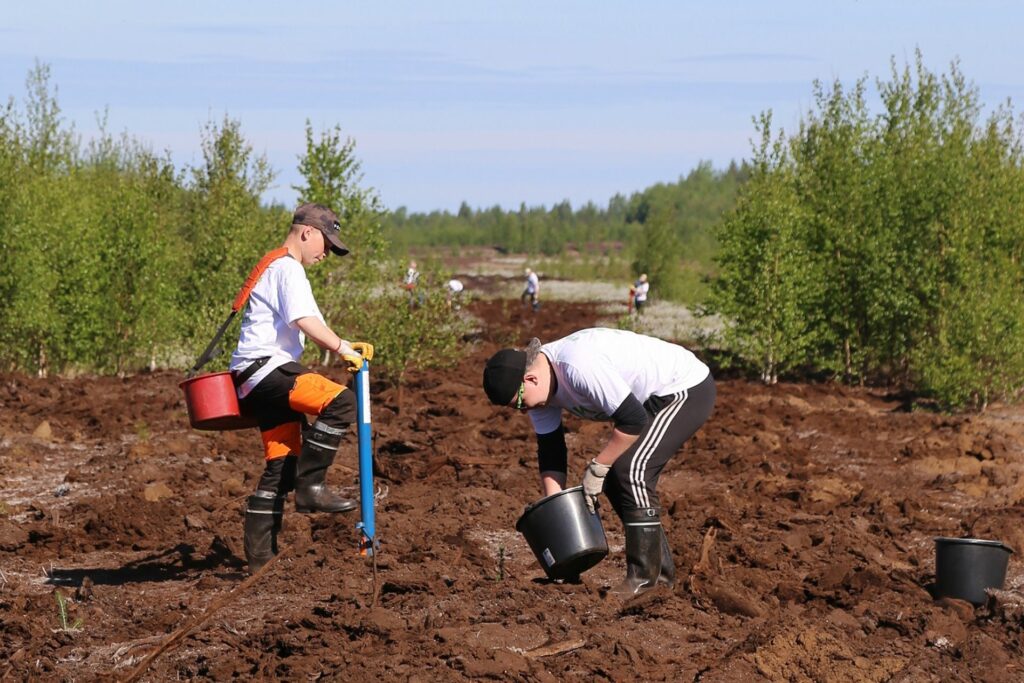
(366, 527)
(243, 295)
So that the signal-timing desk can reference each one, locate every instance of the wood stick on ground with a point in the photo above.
(555, 648)
(704, 563)
(180, 634)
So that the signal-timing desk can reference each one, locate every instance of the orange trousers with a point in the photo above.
(310, 394)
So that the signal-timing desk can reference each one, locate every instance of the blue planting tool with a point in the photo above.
(366, 527)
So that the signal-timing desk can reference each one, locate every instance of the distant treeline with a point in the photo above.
(659, 229)
(883, 246)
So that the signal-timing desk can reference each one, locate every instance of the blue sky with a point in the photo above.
(488, 102)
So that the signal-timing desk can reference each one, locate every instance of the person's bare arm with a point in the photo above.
(552, 481)
(616, 446)
(323, 336)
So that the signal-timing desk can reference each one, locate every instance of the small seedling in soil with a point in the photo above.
(501, 563)
(62, 612)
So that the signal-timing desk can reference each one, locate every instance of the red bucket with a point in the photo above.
(213, 404)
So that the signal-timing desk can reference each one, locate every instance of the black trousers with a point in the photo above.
(673, 420)
(281, 425)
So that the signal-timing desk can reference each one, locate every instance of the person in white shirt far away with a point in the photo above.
(531, 292)
(453, 292)
(640, 289)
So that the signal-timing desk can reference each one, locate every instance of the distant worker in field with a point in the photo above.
(656, 394)
(410, 283)
(640, 289)
(531, 292)
(275, 388)
(453, 293)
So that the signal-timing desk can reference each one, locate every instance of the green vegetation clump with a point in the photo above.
(883, 247)
(114, 261)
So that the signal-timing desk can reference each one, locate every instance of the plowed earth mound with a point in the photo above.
(801, 518)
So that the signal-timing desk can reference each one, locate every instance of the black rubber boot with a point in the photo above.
(318, 449)
(668, 565)
(643, 551)
(263, 514)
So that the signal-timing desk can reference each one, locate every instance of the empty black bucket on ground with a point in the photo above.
(567, 538)
(965, 567)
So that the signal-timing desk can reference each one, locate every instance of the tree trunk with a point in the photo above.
(849, 362)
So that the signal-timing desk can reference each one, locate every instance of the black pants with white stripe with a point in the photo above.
(673, 419)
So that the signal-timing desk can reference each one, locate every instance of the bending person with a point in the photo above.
(531, 292)
(656, 394)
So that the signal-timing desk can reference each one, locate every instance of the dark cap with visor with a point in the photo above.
(323, 219)
(503, 375)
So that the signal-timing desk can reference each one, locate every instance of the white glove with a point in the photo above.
(593, 483)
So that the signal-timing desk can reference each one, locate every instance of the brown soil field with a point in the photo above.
(802, 519)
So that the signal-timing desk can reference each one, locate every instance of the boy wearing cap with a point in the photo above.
(656, 394)
(275, 388)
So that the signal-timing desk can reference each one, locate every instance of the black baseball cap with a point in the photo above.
(323, 219)
(503, 375)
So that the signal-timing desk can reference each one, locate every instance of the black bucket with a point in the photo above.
(567, 538)
(965, 567)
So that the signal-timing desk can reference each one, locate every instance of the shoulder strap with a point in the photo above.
(240, 299)
(254, 277)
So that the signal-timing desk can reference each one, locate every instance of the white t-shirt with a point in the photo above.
(455, 286)
(532, 283)
(281, 296)
(640, 290)
(596, 369)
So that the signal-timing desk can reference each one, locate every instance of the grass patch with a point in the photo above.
(66, 626)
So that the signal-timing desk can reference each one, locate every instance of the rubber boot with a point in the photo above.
(318, 449)
(263, 515)
(668, 565)
(643, 552)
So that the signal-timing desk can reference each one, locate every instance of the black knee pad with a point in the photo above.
(340, 412)
(278, 475)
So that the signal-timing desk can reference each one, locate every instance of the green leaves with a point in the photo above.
(360, 296)
(767, 268)
(883, 246)
(114, 261)
(225, 227)
(64, 621)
